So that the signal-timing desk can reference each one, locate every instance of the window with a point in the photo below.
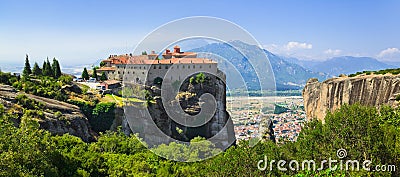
(134, 67)
(118, 72)
(133, 72)
(189, 67)
(183, 66)
(143, 73)
(117, 66)
(177, 67)
(194, 66)
(200, 66)
(140, 67)
(159, 67)
(210, 66)
(166, 67)
(128, 72)
(144, 67)
(154, 67)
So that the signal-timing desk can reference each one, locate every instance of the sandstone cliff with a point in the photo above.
(71, 120)
(371, 90)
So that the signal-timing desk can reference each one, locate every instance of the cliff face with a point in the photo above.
(71, 120)
(371, 90)
(219, 126)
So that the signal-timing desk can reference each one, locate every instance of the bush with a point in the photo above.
(28, 103)
(102, 116)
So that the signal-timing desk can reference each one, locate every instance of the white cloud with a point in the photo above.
(333, 52)
(297, 45)
(291, 49)
(389, 53)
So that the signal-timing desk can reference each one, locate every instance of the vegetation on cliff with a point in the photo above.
(385, 71)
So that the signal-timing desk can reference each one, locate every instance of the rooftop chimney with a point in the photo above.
(177, 49)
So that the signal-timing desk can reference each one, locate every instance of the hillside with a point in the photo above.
(55, 116)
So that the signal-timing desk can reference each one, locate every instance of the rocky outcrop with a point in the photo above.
(59, 117)
(371, 90)
(219, 126)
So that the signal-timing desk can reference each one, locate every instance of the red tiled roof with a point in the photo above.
(106, 69)
(144, 59)
(111, 82)
(174, 61)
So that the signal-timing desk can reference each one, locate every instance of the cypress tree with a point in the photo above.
(56, 68)
(85, 74)
(27, 68)
(49, 69)
(44, 68)
(94, 75)
(103, 76)
(36, 70)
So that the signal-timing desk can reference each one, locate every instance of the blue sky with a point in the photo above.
(82, 32)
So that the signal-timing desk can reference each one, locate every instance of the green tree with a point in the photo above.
(36, 70)
(102, 64)
(103, 76)
(144, 53)
(47, 71)
(44, 72)
(200, 79)
(85, 74)
(56, 68)
(94, 75)
(27, 68)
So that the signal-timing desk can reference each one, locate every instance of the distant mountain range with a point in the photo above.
(290, 72)
(287, 75)
(349, 65)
